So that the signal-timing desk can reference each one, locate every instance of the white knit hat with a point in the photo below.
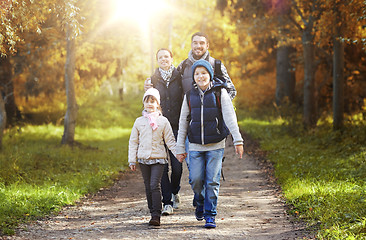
(153, 92)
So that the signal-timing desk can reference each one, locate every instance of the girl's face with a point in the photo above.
(164, 59)
(150, 104)
(202, 77)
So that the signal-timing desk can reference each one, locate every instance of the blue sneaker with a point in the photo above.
(199, 213)
(210, 222)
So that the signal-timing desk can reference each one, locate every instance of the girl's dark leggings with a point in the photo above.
(152, 176)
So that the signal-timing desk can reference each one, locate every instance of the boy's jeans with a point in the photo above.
(205, 173)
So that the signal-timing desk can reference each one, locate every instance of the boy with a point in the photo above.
(206, 111)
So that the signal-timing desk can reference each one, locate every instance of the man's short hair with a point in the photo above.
(200, 34)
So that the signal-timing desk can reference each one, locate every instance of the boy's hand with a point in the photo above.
(181, 157)
(147, 84)
(133, 167)
(239, 149)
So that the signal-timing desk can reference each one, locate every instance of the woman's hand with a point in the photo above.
(147, 84)
(239, 149)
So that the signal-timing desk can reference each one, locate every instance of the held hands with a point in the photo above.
(133, 167)
(147, 84)
(181, 157)
(239, 149)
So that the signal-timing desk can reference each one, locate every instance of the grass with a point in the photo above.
(38, 175)
(322, 173)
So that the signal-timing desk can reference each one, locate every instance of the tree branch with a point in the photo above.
(299, 12)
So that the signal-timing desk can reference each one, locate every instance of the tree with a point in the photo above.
(285, 75)
(71, 112)
(309, 14)
(16, 17)
(338, 69)
(70, 19)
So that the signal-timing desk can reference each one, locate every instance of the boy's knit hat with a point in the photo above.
(205, 64)
(153, 92)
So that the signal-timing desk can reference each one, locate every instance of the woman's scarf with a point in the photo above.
(152, 118)
(166, 75)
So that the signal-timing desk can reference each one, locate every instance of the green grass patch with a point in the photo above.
(38, 175)
(322, 173)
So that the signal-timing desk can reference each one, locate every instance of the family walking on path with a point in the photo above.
(206, 118)
(188, 116)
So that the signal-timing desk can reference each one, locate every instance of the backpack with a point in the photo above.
(217, 68)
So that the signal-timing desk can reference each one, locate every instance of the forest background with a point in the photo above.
(300, 62)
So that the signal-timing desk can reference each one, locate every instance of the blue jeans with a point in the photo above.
(204, 174)
(171, 185)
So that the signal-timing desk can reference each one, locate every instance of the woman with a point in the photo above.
(168, 81)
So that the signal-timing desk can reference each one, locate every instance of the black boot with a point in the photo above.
(155, 221)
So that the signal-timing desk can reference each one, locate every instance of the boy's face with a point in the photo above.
(164, 59)
(202, 77)
(199, 46)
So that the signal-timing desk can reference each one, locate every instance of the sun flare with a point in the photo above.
(138, 11)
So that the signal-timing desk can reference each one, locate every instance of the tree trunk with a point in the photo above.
(285, 77)
(310, 118)
(71, 112)
(7, 88)
(338, 74)
(2, 121)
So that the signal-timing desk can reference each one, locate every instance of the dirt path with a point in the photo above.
(249, 208)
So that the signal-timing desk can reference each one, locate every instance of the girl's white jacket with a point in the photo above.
(146, 143)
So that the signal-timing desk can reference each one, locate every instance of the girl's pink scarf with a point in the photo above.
(152, 117)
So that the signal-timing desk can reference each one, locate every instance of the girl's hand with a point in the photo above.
(239, 149)
(133, 167)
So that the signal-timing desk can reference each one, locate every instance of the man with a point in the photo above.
(199, 50)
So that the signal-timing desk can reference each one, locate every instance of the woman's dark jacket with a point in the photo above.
(171, 97)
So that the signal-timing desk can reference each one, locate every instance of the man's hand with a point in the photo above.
(239, 149)
(147, 84)
(133, 167)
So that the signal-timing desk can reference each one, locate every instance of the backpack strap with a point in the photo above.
(218, 97)
(183, 66)
(188, 98)
(217, 68)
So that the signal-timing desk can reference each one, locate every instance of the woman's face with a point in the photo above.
(150, 104)
(202, 77)
(164, 59)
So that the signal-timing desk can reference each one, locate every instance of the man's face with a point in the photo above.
(199, 46)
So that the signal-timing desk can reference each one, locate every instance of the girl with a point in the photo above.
(206, 116)
(146, 146)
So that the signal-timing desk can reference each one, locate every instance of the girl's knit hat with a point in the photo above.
(205, 64)
(153, 92)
